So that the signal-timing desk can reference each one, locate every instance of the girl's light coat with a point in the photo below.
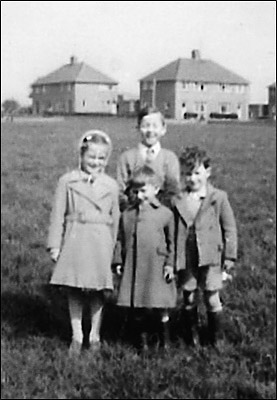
(84, 224)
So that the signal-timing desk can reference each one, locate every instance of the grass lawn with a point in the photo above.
(35, 325)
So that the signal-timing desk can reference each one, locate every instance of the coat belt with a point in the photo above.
(84, 218)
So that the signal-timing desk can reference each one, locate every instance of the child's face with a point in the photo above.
(195, 179)
(151, 129)
(146, 193)
(94, 160)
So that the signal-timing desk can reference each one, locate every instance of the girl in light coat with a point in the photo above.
(82, 235)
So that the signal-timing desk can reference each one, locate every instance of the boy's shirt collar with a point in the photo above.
(200, 195)
(155, 149)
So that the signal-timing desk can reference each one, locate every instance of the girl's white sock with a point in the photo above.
(96, 307)
(76, 311)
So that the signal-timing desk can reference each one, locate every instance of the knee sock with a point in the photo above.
(76, 311)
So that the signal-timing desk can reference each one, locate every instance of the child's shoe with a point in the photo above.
(191, 325)
(75, 349)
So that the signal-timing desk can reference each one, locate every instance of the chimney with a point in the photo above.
(73, 60)
(195, 54)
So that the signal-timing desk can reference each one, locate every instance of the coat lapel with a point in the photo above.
(208, 200)
(92, 192)
(181, 205)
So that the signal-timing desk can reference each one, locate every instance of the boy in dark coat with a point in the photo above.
(206, 241)
(146, 238)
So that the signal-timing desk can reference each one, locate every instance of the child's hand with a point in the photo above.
(228, 265)
(54, 254)
(168, 273)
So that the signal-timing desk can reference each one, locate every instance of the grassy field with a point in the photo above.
(35, 326)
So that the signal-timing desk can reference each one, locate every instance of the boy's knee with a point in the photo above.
(189, 299)
(212, 300)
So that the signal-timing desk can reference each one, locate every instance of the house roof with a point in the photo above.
(75, 73)
(195, 70)
(273, 85)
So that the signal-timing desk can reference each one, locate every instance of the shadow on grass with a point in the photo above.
(46, 314)
(27, 314)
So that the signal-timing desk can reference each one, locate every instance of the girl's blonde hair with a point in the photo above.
(94, 136)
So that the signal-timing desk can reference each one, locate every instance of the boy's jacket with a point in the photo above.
(215, 229)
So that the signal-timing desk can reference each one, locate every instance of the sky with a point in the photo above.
(127, 40)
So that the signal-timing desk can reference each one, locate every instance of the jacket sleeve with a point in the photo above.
(57, 217)
(115, 213)
(229, 229)
(171, 186)
(169, 236)
(122, 176)
(119, 246)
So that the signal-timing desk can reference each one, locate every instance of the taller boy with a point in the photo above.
(164, 162)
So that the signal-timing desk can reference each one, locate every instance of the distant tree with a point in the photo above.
(9, 106)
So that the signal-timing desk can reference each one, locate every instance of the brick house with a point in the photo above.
(272, 101)
(196, 88)
(74, 88)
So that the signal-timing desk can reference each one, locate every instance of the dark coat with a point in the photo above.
(215, 228)
(147, 246)
(165, 165)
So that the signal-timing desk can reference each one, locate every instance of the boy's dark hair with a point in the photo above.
(143, 175)
(193, 156)
(147, 110)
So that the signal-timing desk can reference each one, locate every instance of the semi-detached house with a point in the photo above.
(196, 88)
(74, 88)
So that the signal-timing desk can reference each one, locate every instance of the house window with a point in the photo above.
(69, 87)
(185, 85)
(240, 88)
(37, 89)
(147, 85)
(203, 87)
(43, 88)
(224, 108)
(200, 107)
(144, 85)
(61, 87)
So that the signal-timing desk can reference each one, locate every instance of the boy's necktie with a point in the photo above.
(89, 179)
(150, 155)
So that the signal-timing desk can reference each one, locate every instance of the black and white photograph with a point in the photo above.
(138, 206)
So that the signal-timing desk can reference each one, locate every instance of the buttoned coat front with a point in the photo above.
(84, 225)
(147, 246)
(215, 229)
